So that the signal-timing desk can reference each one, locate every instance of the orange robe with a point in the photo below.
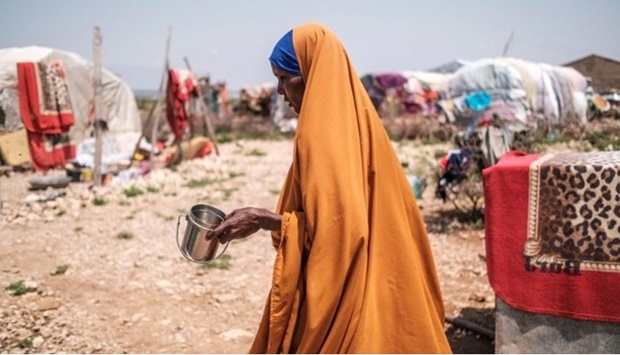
(354, 271)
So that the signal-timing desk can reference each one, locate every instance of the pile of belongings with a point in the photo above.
(412, 91)
(258, 100)
(454, 165)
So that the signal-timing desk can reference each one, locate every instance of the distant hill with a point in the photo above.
(141, 94)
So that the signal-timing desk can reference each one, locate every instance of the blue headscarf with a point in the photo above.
(283, 56)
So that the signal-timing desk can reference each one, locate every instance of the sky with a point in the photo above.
(232, 40)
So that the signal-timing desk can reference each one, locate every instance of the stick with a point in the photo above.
(462, 323)
(210, 130)
(149, 117)
(160, 99)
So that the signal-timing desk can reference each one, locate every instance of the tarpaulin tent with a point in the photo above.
(420, 80)
(119, 109)
(450, 67)
(520, 90)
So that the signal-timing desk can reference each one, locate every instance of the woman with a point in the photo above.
(354, 270)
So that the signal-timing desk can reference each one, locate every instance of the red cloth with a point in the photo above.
(181, 83)
(587, 295)
(204, 151)
(45, 110)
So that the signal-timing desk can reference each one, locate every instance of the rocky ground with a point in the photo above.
(97, 270)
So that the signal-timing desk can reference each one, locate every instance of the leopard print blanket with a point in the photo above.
(53, 90)
(574, 213)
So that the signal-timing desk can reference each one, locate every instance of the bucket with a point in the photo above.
(87, 175)
(418, 185)
(201, 220)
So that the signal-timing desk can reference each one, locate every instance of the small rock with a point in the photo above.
(47, 304)
(37, 341)
(226, 298)
(31, 285)
(17, 350)
(23, 333)
(45, 331)
(233, 334)
(31, 198)
(163, 284)
(477, 298)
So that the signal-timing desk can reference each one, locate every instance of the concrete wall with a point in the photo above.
(605, 73)
(518, 332)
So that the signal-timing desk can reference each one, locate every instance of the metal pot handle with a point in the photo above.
(217, 257)
(179, 244)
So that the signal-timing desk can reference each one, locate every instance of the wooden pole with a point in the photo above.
(98, 88)
(148, 121)
(508, 44)
(160, 99)
(203, 106)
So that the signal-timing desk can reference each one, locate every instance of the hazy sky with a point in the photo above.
(231, 40)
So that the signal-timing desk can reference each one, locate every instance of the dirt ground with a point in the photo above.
(102, 274)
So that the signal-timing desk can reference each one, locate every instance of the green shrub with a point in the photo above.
(18, 288)
(604, 141)
(200, 183)
(124, 235)
(222, 263)
(60, 270)
(223, 138)
(234, 174)
(133, 191)
(256, 153)
(99, 201)
(25, 343)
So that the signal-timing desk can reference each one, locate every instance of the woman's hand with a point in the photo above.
(244, 222)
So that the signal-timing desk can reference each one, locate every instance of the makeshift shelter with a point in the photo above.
(119, 110)
(257, 100)
(518, 90)
(450, 67)
(411, 91)
(376, 93)
(426, 80)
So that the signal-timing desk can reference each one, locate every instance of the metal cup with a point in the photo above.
(201, 220)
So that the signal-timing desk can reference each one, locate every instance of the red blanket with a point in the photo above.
(45, 110)
(568, 264)
(181, 84)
